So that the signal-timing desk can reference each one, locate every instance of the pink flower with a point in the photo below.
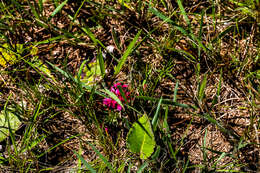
(112, 103)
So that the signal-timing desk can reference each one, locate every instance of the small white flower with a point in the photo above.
(109, 49)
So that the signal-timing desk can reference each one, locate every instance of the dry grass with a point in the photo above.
(162, 59)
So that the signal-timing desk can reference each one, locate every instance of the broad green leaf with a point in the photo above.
(8, 56)
(15, 123)
(126, 53)
(140, 138)
(91, 73)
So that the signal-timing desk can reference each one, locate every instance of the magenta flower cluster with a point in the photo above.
(110, 103)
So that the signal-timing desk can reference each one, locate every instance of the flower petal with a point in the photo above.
(119, 108)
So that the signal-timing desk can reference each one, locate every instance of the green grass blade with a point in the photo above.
(183, 12)
(11, 133)
(79, 74)
(175, 91)
(156, 115)
(102, 157)
(115, 39)
(55, 146)
(185, 166)
(222, 34)
(69, 76)
(34, 11)
(129, 167)
(64, 73)
(202, 88)
(200, 32)
(101, 63)
(220, 157)
(40, 5)
(33, 143)
(77, 12)
(80, 70)
(92, 37)
(142, 167)
(122, 93)
(204, 146)
(90, 168)
(186, 54)
(165, 121)
(49, 40)
(90, 34)
(58, 9)
(114, 97)
(126, 53)
(156, 154)
(226, 131)
(165, 101)
(168, 20)
(215, 99)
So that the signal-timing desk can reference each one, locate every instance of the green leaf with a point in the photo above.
(5, 117)
(126, 53)
(9, 55)
(92, 73)
(140, 138)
